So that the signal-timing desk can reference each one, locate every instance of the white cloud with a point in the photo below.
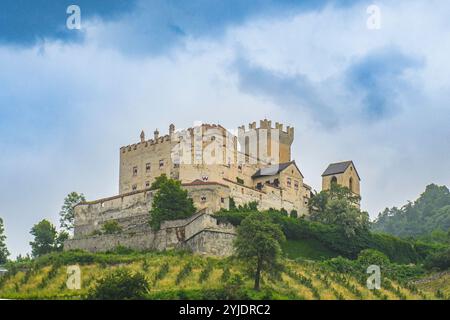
(96, 98)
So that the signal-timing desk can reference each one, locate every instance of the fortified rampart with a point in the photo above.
(200, 233)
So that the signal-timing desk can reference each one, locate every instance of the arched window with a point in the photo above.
(333, 180)
(350, 184)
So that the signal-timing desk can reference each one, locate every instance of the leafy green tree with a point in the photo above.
(4, 253)
(46, 238)
(120, 284)
(293, 214)
(60, 238)
(232, 204)
(171, 202)
(249, 206)
(369, 257)
(439, 260)
(258, 245)
(338, 206)
(67, 213)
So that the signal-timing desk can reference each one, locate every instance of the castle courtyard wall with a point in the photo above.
(200, 233)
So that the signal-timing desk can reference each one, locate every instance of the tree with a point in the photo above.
(338, 206)
(369, 257)
(46, 238)
(171, 202)
(67, 213)
(120, 284)
(232, 204)
(60, 238)
(4, 253)
(293, 214)
(258, 245)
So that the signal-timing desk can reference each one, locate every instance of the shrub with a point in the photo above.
(206, 272)
(294, 214)
(120, 284)
(184, 272)
(341, 265)
(145, 265)
(440, 261)
(111, 227)
(369, 257)
(225, 274)
(162, 272)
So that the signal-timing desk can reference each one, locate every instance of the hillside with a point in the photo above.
(178, 275)
(429, 213)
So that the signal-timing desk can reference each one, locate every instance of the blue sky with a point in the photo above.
(70, 98)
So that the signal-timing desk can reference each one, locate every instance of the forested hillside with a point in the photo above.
(428, 216)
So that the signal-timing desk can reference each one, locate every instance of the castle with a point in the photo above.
(214, 166)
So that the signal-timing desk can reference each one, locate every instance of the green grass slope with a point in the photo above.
(178, 275)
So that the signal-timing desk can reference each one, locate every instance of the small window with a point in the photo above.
(176, 165)
(147, 184)
(161, 164)
(289, 182)
(134, 187)
(222, 200)
(148, 166)
(205, 178)
(296, 185)
(135, 171)
(203, 199)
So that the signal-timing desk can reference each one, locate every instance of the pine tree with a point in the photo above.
(67, 212)
(4, 253)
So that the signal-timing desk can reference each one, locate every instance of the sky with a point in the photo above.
(70, 98)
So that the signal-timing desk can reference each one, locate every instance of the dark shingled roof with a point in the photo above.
(274, 169)
(340, 167)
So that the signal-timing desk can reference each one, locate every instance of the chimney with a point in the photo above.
(172, 129)
(142, 136)
(156, 133)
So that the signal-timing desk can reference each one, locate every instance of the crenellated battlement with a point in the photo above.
(267, 125)
(171, 137)
(145, 144)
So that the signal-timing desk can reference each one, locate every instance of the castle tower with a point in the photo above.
(343, 174)
(271, 145)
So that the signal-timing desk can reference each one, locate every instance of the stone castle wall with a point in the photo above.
(200, 233)
(131, 210)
